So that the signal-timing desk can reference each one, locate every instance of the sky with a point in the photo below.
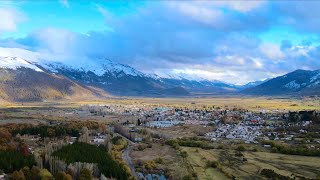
(231, 41)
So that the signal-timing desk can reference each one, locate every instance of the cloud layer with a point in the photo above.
(200, 39)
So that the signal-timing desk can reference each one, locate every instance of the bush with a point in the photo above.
(45, 174)
(190, 142)
(150, 165)
(141, 147)
(221, 146)
(158, 160)
(85, 174)
(213, 164)
(184, 154)
(241, 148)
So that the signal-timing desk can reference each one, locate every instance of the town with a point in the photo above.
(143, 140)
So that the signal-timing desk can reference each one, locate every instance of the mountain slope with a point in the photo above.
(21, 80)
(299, 82)
(201, 86)
(115, 78)
(120, 79)
(54, 80)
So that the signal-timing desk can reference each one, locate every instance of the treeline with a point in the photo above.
(124, 132)
(292, 150)
(83, 152)
(13, 160)
(304, 116)
(190, 142)
(48, 131)
(77, 125)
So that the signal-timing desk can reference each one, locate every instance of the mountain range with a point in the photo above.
(299, 82)
(21, 80)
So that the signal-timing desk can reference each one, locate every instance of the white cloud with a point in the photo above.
(197, 11)
(241, 6)
(257, 63)
(272, 51)
(211, 12)
(57, 41)
(65, 3)
(10, 18)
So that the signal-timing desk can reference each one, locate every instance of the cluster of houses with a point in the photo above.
(229, 123)
(242, 131)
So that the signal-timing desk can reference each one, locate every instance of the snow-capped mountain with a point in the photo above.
(16, 63)
(120, 79)
(251, 84)
(98, 67)
(302, 82)
(21, 80)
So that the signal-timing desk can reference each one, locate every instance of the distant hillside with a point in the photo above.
(299, 82)
(22, 81)
(121, 79)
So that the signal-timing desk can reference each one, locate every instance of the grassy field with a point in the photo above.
(250, 103)
(175, 165)
(286, 165)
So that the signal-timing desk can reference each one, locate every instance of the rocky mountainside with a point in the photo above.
(120, 79)
(299, 82)
(21, 80)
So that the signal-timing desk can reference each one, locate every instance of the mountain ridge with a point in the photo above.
(105, 77)
(298, 82)
(21, 80)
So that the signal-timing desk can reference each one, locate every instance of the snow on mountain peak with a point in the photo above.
(15, 63)
(292, 85)
(98, 67)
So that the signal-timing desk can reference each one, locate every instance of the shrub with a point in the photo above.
(184, 154)
(213, 164)
(241, 148)
(150, 165)
(141, 147)
(159, 160)
(85, 174)
(221, 146)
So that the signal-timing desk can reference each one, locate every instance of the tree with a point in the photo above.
(27, 173)
(35, 173)
(18, 175)
(45, 174)
(61, 176)
(85, 174)
(68, 177)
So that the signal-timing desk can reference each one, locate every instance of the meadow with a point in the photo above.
(232, 166)
(246, 102)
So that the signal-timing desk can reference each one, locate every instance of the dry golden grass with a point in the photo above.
(250, 103)
(283, 164)
(171, 160)
(198, 158)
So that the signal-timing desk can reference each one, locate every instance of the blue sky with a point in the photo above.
(233, 41)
